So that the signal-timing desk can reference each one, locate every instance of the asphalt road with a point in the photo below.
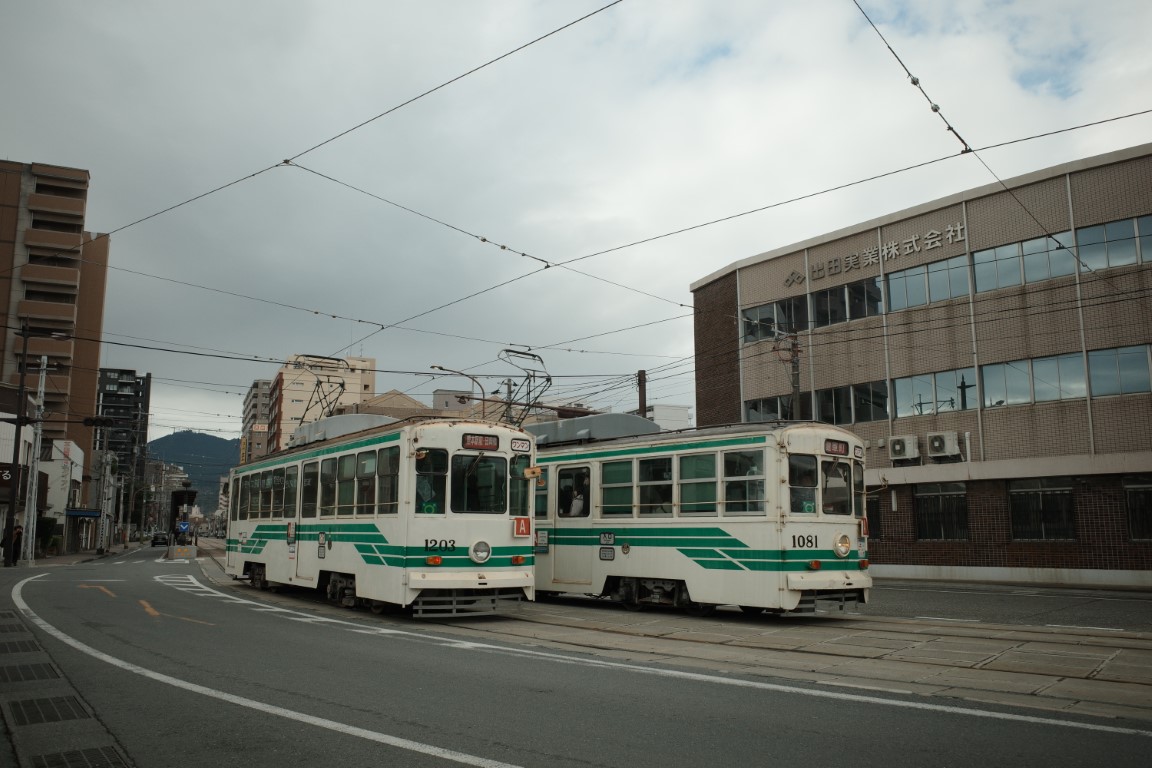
(172, 668)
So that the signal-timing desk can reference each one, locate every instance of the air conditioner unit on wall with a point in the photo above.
(943, 444)
(903, 447)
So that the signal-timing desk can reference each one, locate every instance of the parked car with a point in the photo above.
(160, 539)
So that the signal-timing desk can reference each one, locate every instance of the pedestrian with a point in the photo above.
(12, 548)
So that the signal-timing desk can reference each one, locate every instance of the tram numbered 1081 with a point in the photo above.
(431, 515)
(767, 517)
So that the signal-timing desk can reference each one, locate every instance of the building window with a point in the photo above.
(1144, 229)
(948, 279)
(1138, 490)
(835, 405)
(759, 323)
(1119, 371)
(792, 314)
(870, 401)
(997, 267)
(954, 390)
(866, 298)
(1041, 508)
(1046, 257)
(915, 395)
(1006, 384)
(1058, 378)
(908, 288)
(774, 409)
(941, 511)
(1107, 245)
(829, 306)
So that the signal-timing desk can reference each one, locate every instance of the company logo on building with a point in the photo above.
(794, 279)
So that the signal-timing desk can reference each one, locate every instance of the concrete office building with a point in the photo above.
(992, 349)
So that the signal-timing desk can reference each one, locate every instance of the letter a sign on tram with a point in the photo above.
(521, 526)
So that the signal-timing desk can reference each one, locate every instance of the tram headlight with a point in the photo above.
(843, 545)
(480, 552)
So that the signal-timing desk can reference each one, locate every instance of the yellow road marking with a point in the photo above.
(153, 612)
(105, 590)
(149, 609)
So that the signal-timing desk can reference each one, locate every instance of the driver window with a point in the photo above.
(572, 495)
(802, 482)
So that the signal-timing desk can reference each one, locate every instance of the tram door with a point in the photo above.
(573, 545)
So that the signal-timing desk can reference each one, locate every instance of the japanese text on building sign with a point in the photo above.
(874, 254)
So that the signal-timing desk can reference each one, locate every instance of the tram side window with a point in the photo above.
(802, 482)
(245, 496)
(278, 492)
(744, 483)
(616, 488)
(346, 485)
(573, 492)
(366, 482)
(234, 500)
(431, 480)
(310, 489)
(858, 495)
(837, 481)
(328, 487)
(520, 487)
(291, 475)
(388, 480)
(266, 493)
(655, 478)
(541, 494)
(698, 484)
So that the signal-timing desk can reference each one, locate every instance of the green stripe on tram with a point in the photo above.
(696, 445)
(373, 546)
(710, 548)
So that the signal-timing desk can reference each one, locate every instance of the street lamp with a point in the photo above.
(483, 406)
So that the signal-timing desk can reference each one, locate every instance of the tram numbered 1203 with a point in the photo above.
(431, 515)
(768, 517)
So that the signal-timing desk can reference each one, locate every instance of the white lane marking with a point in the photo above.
(941, 618)
(1074, 626)
(520, 653)
(344, 728)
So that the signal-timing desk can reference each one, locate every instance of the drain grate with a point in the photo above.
(105, 757)
(7, 614)
(19, 646)
(21, 673)
(53, 710)
(12, 628)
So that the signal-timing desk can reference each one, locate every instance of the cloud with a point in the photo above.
(639, 121)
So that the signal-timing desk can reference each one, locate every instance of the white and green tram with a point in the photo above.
(431, 515)
(768, 517)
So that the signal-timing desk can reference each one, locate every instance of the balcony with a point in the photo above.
(56, 204)
(45, 238)
(46, 310)
(40, 273)
(55, 349)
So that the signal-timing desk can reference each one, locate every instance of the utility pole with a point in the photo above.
(10, 557)
(642, 384)
(795, 355)
(30, 513)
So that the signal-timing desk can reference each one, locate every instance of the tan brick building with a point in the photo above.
(992, 348)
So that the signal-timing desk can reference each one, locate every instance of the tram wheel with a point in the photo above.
(752, 610)
(377, 607)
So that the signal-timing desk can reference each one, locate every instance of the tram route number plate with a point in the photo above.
(607, 553)
(608, 539)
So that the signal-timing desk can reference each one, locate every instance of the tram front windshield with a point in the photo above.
(479, 484)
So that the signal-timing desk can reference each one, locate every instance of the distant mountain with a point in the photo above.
(205, 458)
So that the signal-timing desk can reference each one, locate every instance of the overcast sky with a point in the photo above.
(645, 118)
